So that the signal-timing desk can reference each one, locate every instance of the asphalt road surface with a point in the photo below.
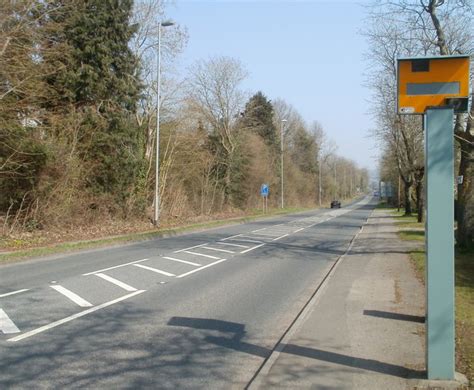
(201, 310)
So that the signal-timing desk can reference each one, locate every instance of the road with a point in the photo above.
(202, 310)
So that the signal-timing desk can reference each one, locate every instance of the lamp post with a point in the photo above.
(156, 219)
(319, 181)
(281, 152)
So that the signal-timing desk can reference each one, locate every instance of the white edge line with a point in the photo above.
(251, 249)
(199, 269)
(276, 239)
(182, 261)
(158, 271)
(73, 317)
(14, 292)
(117, 282)
(191, 247)
(71, 296)
(116, 266)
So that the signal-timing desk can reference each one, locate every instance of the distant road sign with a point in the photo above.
(264, 190)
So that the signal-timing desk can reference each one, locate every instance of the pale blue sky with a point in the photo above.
(308, 53)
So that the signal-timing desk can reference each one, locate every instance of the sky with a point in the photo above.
(308, 53)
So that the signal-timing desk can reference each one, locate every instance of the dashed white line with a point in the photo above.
(73, 317)
(182, 261)
(217, 249)
(229, 238)
(158, 271)
(199, 269)
(268, 227)
(251, 249)
(202, 254)
(299, 230)
(7, 326)
(14, 292)
(71, 296)
(278, 238)
(191, 247)
(246, 240)
(116, 266)
(228, 243)
(266, 234)
(110, 279)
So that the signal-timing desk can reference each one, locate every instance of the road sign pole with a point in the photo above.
(439, 176)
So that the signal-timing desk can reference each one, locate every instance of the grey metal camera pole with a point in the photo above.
(439, 176)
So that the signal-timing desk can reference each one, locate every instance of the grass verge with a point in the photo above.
(139, 236)
(464, 274)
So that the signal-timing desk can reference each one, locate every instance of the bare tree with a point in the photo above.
(433, 27)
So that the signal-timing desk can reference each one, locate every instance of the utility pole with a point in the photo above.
(156, 220)
(281, 163)
(320, 176)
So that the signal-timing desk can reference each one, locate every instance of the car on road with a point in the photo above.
(335, 204)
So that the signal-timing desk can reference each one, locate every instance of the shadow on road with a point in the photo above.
(237, 332)
(395, 316)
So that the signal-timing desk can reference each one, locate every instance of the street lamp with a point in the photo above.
(281, 152)
(156, 219)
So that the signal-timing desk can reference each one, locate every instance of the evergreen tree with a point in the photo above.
(97, 75)
(258, 117)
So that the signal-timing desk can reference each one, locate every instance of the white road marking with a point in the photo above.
(267, 234)
(202, 254)
(182, 261)
(7, 326)
(256, 236)
(228, 243)
(217, 249)
(276, 239)
(199, 269)
(299, 230)
(116, 282)
(251, 249)
(268, 227)
(158, 271)
(116, 266)
(71, 295)
(73, 317)
(228, 238)
(14, 292)
(191, 247)
(246, 240)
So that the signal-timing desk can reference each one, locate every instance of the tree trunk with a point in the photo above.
(407, 192)
(465, 203)
(419, 200)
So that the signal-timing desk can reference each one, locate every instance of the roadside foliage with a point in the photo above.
(78, 128)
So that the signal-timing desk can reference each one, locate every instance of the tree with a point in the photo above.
(258, 118)
(98, 75)
(215, 99)
(433, 27)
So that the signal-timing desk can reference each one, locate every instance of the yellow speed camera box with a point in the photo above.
(432, 82)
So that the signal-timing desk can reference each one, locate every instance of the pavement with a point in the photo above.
(364, 329)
